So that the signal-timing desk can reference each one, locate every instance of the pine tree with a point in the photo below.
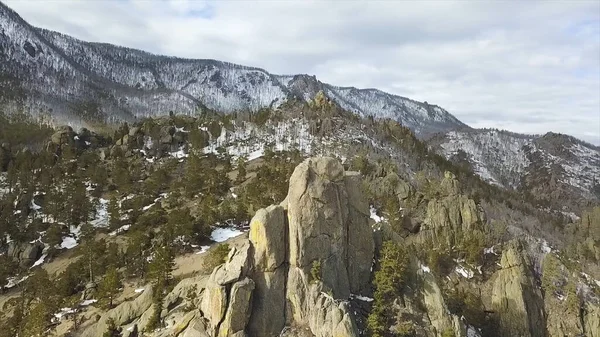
(193, 175)
(109, 286)
(389, 282)
(181, 224)
(37, 320)
(111, 329)
(161, 267)
(7, 267)
(136, 254)
(93, 253)
(241, 167)
(54, 237)
(114, 213)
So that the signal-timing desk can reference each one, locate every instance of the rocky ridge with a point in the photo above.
(85, 83)
(552, 167)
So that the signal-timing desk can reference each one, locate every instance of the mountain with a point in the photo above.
(557, 168)
(354, 227)
(79, 83)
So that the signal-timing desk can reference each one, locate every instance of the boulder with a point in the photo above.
(63, 135)
(124, 313)
(213, 306)
(239, 309)
(327, 217)
(449, 184)
(166, 139)
(391, 184)
(268, 236)
(134, 131)
(437, 310)
(268, 304)
(196, 328)
(360, 235)
(234, 268)
(447, 218)
(25, 253)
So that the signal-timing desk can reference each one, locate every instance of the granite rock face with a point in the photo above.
(516, 298)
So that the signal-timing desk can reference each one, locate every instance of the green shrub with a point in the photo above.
(550, 274)
(216, 256)
(406, 329)
(315, 271)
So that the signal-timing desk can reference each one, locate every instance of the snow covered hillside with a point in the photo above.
(79, 83)
(552, 161)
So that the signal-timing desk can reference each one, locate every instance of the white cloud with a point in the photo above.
(527, 66)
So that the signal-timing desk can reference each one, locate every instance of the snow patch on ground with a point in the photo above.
(466, 273)
(145, 208)
(139, 290)
(63, 312)
(374, 215)
(101, 218)
(545, 247)
(39, 261)
(68, 242)
(13, 281)
(224, 234)
(361, 298)
(203, 249)
(85, 303)
(121, 229)
(489, 251)
(425, 269)
(180, 154)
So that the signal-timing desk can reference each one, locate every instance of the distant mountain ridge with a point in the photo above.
(558, 168)
(82, 82)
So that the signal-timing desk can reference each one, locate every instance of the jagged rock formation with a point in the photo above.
(328, 220)
(437, 311)
(452, 215)
(295, 271)
(25, 254)
(516, 298)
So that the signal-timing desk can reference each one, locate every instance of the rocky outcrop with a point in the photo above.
(238, 312)
(25, 253)
(122, 314)
(437, 310)
(268, 235)
(298, 267)
(591, 320)
(450, 216)
(327, 255)
(63, 135)
(516, 299)
(391, 184)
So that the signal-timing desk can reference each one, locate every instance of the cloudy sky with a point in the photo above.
(525, 66)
